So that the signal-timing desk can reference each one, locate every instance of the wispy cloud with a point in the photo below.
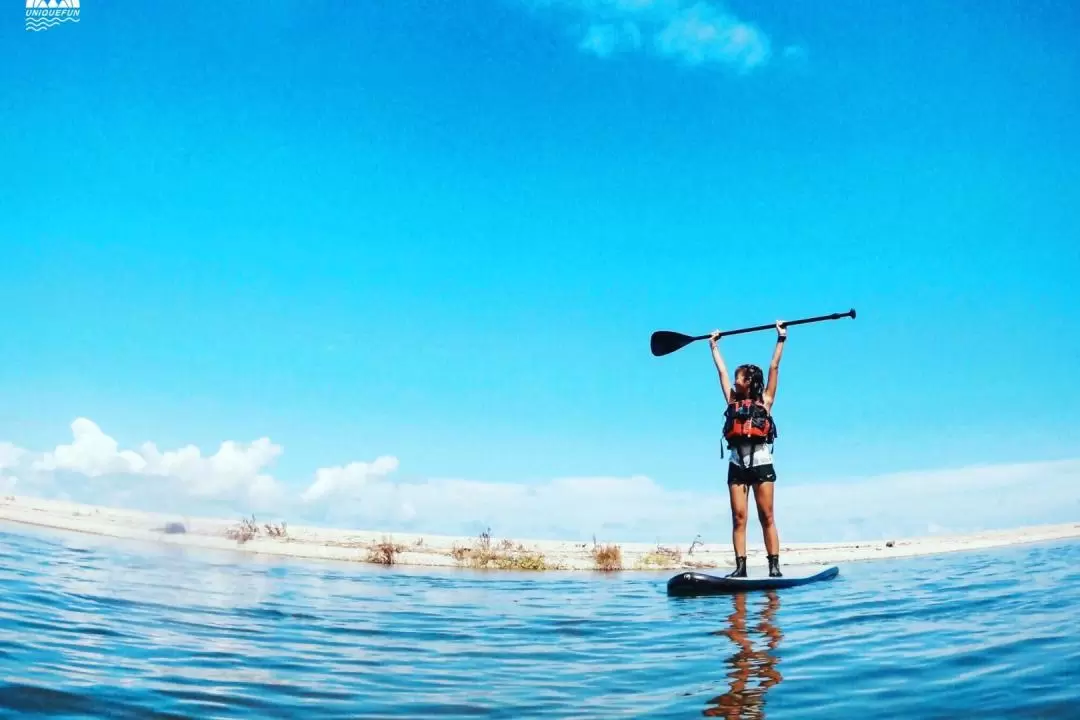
(365, 495)
(701, 32)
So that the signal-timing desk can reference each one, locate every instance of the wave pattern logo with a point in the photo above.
(46, 14)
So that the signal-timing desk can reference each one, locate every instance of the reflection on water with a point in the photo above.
(753, 664)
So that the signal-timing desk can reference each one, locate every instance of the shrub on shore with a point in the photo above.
(384, 552)
(607, 557)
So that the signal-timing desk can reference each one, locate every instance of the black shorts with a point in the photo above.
(737, 475)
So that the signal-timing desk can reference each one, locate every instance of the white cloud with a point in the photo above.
(366, 496)
(606, 39)
(234, 467)
(92, 453)
(563, 508)
(233, 471)
(640, 509)
(348, 480)
(695, 33)
(703, 33)
(931, 502)
(10, 455)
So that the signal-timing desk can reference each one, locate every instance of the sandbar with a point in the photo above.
(251, 536)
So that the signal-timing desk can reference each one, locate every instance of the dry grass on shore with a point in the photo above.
(482, 553)
(249, 529)
(661, 557)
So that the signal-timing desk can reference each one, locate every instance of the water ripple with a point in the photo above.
(98, 627)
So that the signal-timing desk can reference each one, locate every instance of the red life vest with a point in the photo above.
(748, 422)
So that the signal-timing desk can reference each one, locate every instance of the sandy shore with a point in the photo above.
(502, 553)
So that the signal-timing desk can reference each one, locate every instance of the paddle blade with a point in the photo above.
(664, 342)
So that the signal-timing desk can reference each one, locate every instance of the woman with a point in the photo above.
(749, 431)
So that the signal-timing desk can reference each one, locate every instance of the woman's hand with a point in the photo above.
(774, 367)
(721, 368)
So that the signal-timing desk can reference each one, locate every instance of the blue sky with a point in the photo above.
(388, 229)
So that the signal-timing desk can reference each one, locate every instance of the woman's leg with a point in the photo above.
(738, 493)
(763, 498)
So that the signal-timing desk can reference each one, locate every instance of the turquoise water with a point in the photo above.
(97, 627)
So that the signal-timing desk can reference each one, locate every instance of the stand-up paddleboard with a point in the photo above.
(696, 583)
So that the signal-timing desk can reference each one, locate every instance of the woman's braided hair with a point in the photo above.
(756, 378)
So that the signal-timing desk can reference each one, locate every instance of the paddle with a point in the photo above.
(665, 342)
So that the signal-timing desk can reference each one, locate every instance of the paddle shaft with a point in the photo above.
(819, 318)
